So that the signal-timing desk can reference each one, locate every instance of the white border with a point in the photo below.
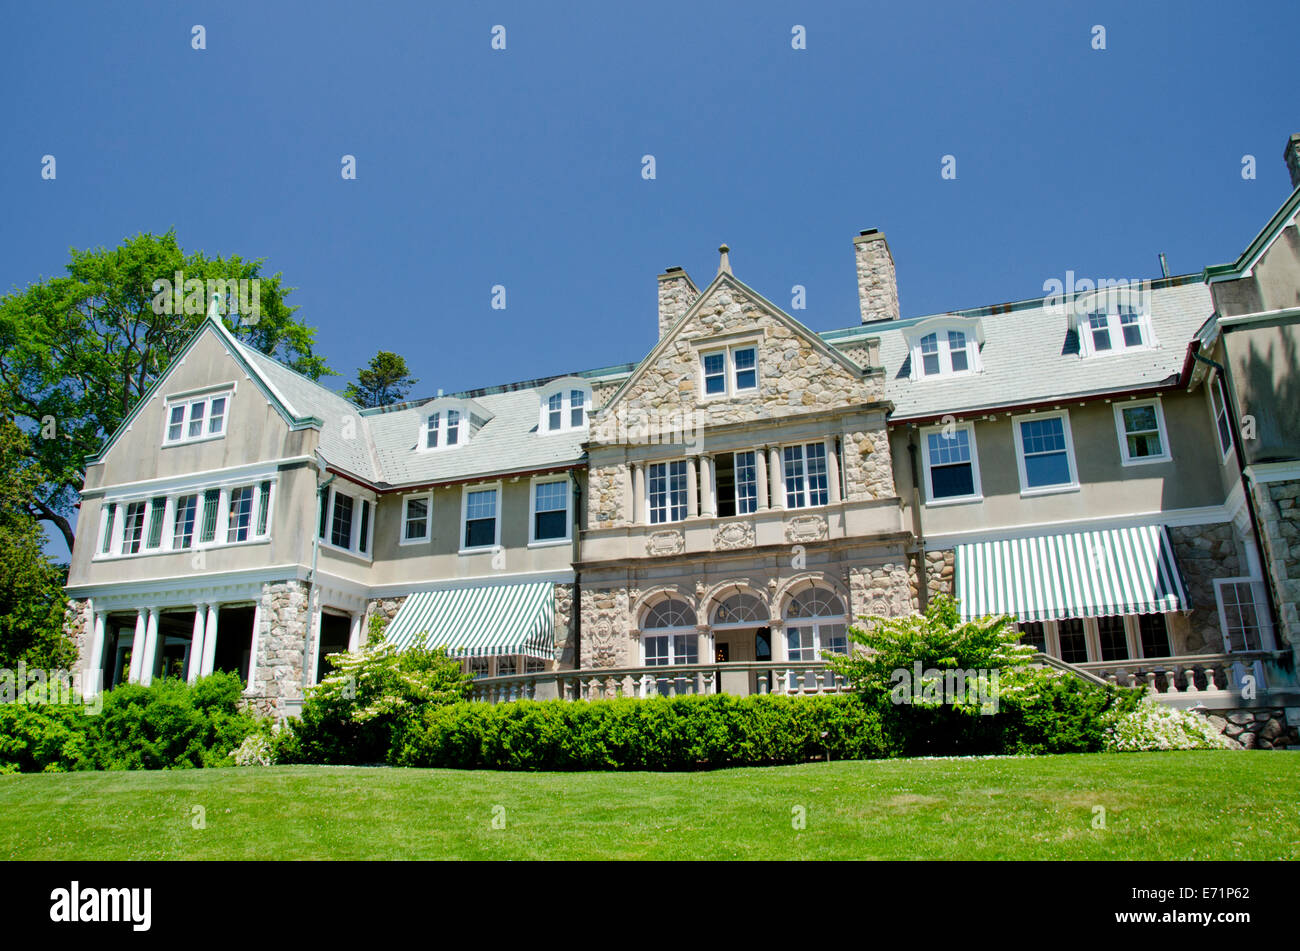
(975, 467)
(1073, 484)
(1125, 459)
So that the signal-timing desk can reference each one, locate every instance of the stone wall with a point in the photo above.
(879, 590)
(1263, 729)
(868, 466)
(79, 625)
(940, 575)
(281, 645)
(1205, 552)
(564, 618)
(608, 504)
(605, 626)
(1277, 505)
(877, 279)
(385, 608)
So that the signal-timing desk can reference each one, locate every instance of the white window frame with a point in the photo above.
(1114, 331)
(729, 372)
(1259, 596)
(1214, 386)
(1162, 431)
(978, 495)
(427, 498)
(186, 401)
(464, 510)
(807, 484)
(533, 541)
(944, 351)
(442, 412)
(170, 499)
(357, 495)
(565, 391)
(1025, 489)
(668, 492)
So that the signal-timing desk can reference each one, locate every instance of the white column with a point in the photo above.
(223, 519)
(137, 647)
(776, 479)
(705, 645)
(692, 488)
(169, 523)
(196, 642)
(779, 652)
(119, 528)
(354, 637)
(832, 470)
(760, 470)
(708, 486)
(94, 669)
(150, 660)
(638, 516)
(210, 640)
(314, 653)
(250, 682)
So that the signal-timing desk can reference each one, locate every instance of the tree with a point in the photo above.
(386, 381)
(78, 352)
(31, 586)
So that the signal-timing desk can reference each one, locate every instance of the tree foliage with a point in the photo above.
(385, 381)
(78, 351)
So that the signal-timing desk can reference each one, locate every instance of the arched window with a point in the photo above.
(564, 406)
(815, 622)
(740, 608)
(669, 635)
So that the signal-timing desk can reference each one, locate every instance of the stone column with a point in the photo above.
(196, 643)
(708, 487)
(705, 644)
(150, 659)
(354, 637)
(776, 478)
(94, 677)
(760, 470)
(832, 470)
(210, 640)
(777, 634)
(638, 515)
(137, 647)
(692, 489)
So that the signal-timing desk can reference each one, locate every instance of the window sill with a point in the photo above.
(359, 555)
(550, 542)
(190, 442)
(1146, 461)
(480, 550)
(193, 549)
(958, 500)
(1049, 490)
(413, 542)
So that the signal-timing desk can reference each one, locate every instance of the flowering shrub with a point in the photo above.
(254, 751)
(1155, 726)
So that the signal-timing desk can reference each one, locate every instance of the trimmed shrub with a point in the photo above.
(668, 734)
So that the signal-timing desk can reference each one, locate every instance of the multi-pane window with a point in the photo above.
(957, 351)
(930, 354)
(443, 428)
(1220, 404)
(669, 637)
(805, 475)
(1141, 432)
(183, 529)
(199, 418)
(433, 428)
(941, 353)
(1114, 329)
(453, 427)
(1035, 634)
(133, 528)
(667, 492)
(264, 509)
(341, 521)
(564, 410)
(1153, 632)
(1074, 643)
(157, 512)
(415, 521)
(815, 623)
(746, 476)
(1130, 322)
(577, 409)
(480, 518)
(106, 543)
(208, 530)
(1240, 613)
(1099, 327)
(550, 511)
(240, 514)
(555, 410)
(730, 371)
(951, 464)
(1111, 636)
(1044, 452)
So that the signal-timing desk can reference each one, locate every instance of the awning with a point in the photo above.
(1079, 574)
(488, 620)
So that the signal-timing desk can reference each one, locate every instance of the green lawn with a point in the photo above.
(1202, 805)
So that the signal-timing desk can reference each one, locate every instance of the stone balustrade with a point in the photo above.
(1208, 679)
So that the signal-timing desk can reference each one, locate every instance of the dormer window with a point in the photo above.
(945, 350)
(442, 429)
(452, 424)
(1114, 328)
(564, 407)
(191, 418)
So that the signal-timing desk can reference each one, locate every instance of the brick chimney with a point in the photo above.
(877, 282)
(1292, 156)
(677, 292)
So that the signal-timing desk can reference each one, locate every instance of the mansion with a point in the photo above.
(1117, 467)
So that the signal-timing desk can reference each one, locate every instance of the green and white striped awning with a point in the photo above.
(488, 620)
(1080, 574)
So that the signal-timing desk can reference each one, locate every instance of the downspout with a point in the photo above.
(321, 488)
(922, 568)
(575, 609)
(1255, 526)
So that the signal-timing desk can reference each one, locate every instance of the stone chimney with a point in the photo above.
(677, 292)
(877, 283)
(1292, 156)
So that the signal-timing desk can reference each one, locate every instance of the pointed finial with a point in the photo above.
(724, 265)
(214, 308)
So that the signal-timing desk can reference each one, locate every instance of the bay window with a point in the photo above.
(183, 520)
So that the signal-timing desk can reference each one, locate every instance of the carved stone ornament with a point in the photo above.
(805, 528)
(665, 543)
(732, 535)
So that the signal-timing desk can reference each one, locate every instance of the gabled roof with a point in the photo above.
(1248, 258)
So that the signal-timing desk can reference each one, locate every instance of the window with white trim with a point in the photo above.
(564, 409)
(1115, 328)
(805, 475)
(445, 429)
(736, 483)
(1243, 614)
(667, 491)
(481, 518)
(1045, 453)
(417, 515)
(729, 371)
(194, 418)
(346, 521)
(1141, 428)
(669, 638)
(1222, 424)
(550, 511)
(951, 463)
(944, 351)
(184, 519)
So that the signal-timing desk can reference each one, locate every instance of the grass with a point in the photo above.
(1191, 805)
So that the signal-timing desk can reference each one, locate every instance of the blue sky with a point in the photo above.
(522, 167)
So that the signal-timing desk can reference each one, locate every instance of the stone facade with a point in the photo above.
(880, 590)
(1260, 729)
(940, 567)
(281, 646)
(1277, 505)
(385, 608)
(564, 626)
(78, 624)
(605, 628)
(1205, 552)
(877, 280)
